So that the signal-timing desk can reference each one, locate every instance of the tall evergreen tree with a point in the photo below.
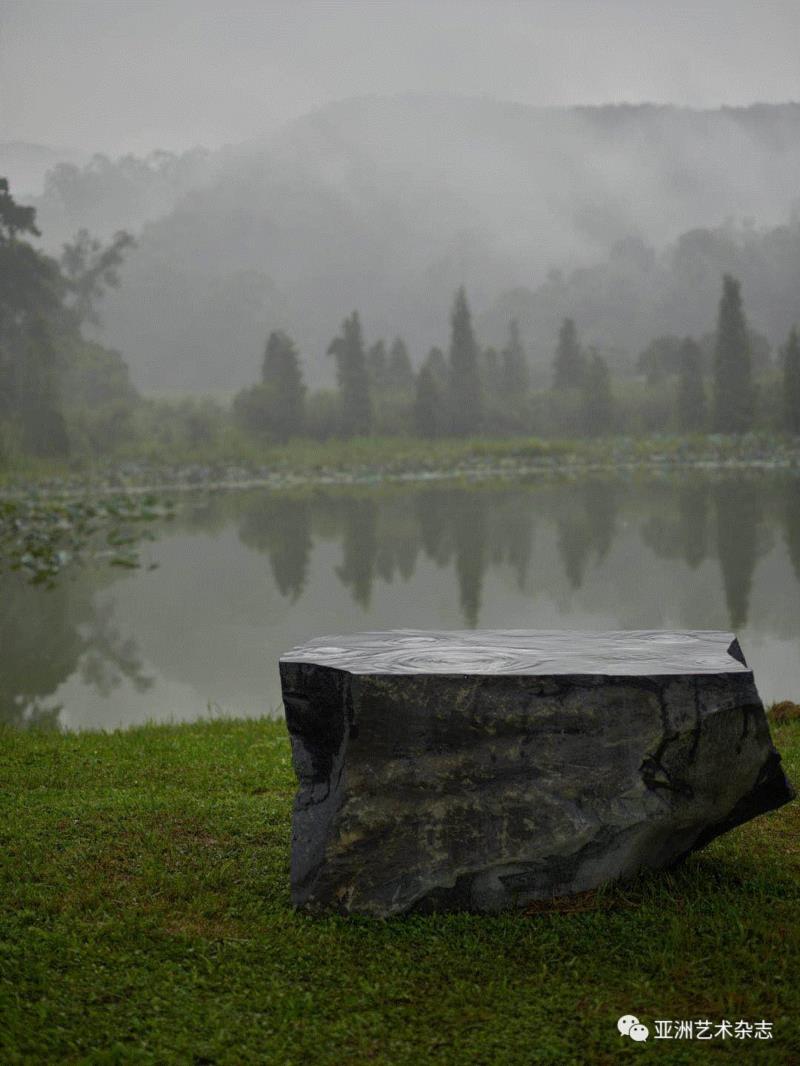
(399, 372)
(660, 359)
(692, 408)
(464, 375)
(569, 365)
(598, 403)
(437, 362)
(734, 395)
(428, 401)
(352, 377)
(281, 371)
(515, 379)
(275, 408)
(377, 365)
(491, 371)
(791, 383)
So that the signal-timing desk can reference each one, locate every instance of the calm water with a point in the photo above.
(244, 576)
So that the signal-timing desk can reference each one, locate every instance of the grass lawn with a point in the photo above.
(145, 918)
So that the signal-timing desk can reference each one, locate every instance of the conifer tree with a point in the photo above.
(515, 380)
(428, 403)
(569, 365)
(692, 407)
(791, 383)
(464, 375)
(282, 374)
(400, 373)
(352, 377)
(597, 398)
(491, 371)
(734, 396)
(377, 365)
(437, 362)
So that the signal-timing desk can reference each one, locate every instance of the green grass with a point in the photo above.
(145, 918)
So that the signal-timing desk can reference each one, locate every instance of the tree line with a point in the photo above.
(472, 390)
(62, 391)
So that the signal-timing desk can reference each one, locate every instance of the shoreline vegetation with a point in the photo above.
(370, 459)
(54, 513)
(145, 917)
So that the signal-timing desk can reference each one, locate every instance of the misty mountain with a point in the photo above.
(25, 164)
(638, 293)
(105, 195)
(623, 216)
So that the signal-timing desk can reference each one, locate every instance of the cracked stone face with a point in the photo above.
(481, 770)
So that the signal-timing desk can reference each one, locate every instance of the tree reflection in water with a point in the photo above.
(689, 519)
(585, 550)
(738, 513)
(47, 635)
(280, 527)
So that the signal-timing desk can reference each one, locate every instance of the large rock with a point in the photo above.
(483, 770)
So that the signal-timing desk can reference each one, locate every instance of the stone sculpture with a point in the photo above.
(482, 770)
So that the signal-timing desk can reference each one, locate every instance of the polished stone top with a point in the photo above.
(517, 652)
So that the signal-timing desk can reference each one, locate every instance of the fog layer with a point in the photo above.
(388, 204)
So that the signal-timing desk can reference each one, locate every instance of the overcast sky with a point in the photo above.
(132, 75)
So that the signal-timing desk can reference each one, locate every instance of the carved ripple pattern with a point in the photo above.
(526, 652)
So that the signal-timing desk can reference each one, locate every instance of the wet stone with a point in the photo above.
(482, 770)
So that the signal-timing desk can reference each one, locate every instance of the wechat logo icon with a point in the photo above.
(629, 1025)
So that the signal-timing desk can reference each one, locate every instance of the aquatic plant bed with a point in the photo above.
(41, 534)
(145, 918)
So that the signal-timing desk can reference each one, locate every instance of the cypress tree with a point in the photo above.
(569, 365)
(692, 408)
(464, 375)
(437, 362)
(491, 371)
(376, 365)
(791, 383)
(734, 396)
(515, 378)
(427, 403)
(661, 358)
(281, 372)
(597, 399)
(352, 378)
(400, 373)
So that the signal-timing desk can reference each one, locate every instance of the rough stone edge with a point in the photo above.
(315, 769)
(319, 769)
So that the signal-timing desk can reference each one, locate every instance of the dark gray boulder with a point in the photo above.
(481, 770)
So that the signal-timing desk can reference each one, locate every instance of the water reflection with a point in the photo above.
(47, 636)
(244, 576)
(791, 519)
(737, 544)
(586, 519)
(284, 534)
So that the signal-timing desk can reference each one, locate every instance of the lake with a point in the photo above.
(240, 577)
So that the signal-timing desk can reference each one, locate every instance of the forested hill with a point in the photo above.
(388, 204)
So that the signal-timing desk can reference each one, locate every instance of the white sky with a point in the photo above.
(117, 75)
